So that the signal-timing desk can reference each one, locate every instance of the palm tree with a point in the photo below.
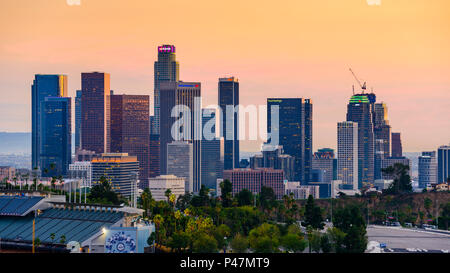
(61, 181)
(62, 239)
(52, 236)
(158, 220)
(26, 177)
(167, 194)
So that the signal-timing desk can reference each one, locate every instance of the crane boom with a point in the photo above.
(363, 86)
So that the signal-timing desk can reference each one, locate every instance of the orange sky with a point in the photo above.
(280, 48)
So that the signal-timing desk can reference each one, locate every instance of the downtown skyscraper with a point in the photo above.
(78, 120)
(43, 86)
(130, 130)
(228, 100)
(382, 134)
(397, 150)
(427, 169)
(175, 96)
(294, 132)
(347, 154)
(210, 155)
(95, 112)
(359, 110)
(166, 69)
(443, 162)
(56, 136)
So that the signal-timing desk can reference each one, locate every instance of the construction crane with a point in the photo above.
(363, 86)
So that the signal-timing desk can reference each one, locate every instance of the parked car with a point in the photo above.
(408, 225)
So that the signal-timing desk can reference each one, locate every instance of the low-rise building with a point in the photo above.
(160, 184)
(301, 192)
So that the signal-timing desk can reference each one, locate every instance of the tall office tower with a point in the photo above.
(56, 138)
(154, 168)
(382, 132)
(254, 180)
(179, 162)
(210, 155)
(167, 69)
(78, 120)
(294, 132)
(130, 130)
(119, 169)
(43, 86)
(347, 143)
(360, 111)
(95, 112)
(181, 94)
(229, 98)
(308, 151)
(443, 164)
(324, 161)
(396, 145)
(427, 169)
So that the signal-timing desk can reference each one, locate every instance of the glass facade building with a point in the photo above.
(229, 97)
(443, 161)
(166, 69)
(294, 132)
(95, 112)
(181, 94)
(56, 136)
(130, 130)
(78, 120)
(43, 86)
(359, 110)
(210, 155)
(397, 150)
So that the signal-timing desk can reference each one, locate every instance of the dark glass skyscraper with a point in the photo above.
(397, 150)
(43, 86)
(382, 133)
(166, 70)
(78, 120)
(229, 96)
(210, 155)
(130, 130)
(443, 162)
(359, 110)
(95, 112)
(181, 94)
(295, 132)
(154, 168)
(56, 138)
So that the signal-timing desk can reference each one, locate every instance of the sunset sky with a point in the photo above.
(282, 48)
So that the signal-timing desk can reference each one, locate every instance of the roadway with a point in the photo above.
(399, 239)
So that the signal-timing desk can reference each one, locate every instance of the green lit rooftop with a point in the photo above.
(359, 99)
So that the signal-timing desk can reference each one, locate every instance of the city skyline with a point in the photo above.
(406, 71)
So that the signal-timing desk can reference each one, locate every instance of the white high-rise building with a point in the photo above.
(427, 169)
(347, 154)
(180, 162)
